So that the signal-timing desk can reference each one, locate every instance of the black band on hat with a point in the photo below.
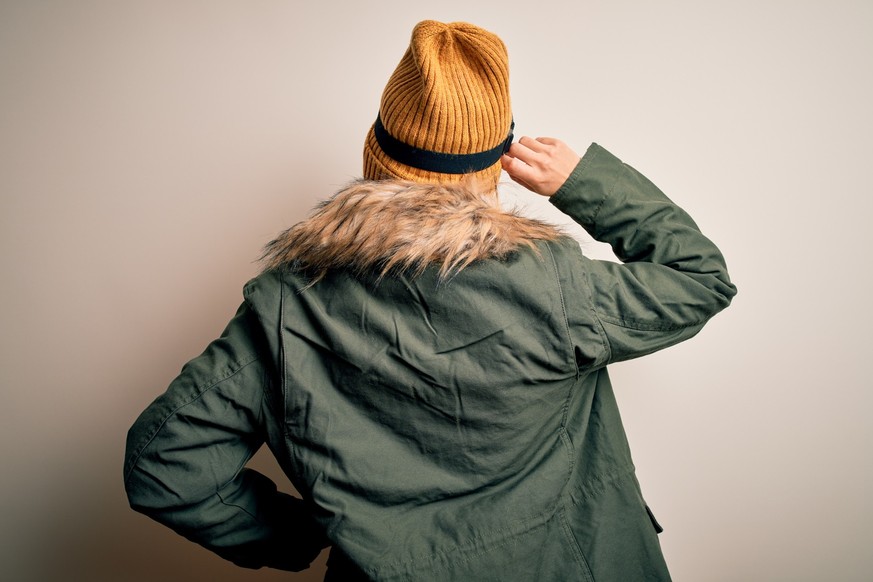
(438, 161)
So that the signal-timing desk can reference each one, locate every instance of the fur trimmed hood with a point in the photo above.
(391, 225)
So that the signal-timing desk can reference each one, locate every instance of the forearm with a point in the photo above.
(619, 206)
(247, 522)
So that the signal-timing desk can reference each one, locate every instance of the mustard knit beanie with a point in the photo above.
(445, 113)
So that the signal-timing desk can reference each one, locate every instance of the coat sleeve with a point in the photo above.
(672, 278)
(186, 455)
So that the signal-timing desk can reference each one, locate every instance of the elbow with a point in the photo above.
(726, 292)
(717, 292)
(137, 475)
(148, 481)
(152, 494)
(720, 299)
(150, 491)
(132, 451)
(141, 497)
(136, 498)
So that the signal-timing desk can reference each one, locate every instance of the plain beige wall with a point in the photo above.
(149, 149)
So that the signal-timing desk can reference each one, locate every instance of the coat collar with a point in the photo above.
(386, 226)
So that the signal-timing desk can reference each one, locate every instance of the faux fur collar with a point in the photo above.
(386, 226)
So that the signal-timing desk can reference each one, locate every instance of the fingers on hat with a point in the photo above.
(536, 145)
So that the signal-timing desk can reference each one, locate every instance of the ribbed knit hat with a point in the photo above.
(445, 112)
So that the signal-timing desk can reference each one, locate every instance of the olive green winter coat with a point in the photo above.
(458, 427)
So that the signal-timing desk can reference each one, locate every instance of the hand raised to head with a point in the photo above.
(541, 165)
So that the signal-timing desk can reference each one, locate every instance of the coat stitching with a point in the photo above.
(209, 386)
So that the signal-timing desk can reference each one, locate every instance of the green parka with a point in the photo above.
(438, 429)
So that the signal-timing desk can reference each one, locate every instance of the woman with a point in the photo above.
(430, 371)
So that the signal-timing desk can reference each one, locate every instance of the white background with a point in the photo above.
(149, 149)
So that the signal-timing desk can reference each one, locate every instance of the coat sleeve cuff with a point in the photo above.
(583, 193)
